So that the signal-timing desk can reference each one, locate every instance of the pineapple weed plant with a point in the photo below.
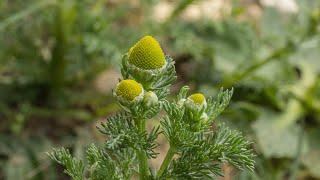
(197, 147)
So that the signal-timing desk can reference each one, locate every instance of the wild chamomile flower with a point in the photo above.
(129, 90)
(146, 63)
(142, 95)
(198, 98)
(147, 54)
(196, 101)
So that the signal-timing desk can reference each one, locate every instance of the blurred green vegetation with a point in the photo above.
(53, 51)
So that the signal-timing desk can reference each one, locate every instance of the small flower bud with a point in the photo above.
(181, 102)
(129, 90)
(147, 54)
(196, 101)
(204, 117)
(150, 99)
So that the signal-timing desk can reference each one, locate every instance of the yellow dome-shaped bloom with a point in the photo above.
(147, 54)
(128, 89)
(198, 98)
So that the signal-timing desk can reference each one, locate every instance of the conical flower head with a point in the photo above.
(147, 54)
(129, 89)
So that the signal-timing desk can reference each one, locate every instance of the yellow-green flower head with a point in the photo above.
(196, 100)
(147, 54)
(129, 90)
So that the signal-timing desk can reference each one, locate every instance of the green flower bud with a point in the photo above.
(181, 102)
(204, 117)
(129, 90)
(150, 99)
(147, 54)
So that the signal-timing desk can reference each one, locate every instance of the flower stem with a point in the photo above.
(166, 161)
(142, 157)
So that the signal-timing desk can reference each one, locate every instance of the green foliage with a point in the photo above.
(271, 57)
(101, 165)
(222, 145)
(217, 105)
(24, 159)
(49, 49)
(272, 61)
(74, 167)
(123, 134)
(200, 149)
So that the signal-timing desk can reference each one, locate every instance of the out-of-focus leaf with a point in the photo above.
(275, 140)
(227, 42)
(273, 28)
(25, 159)
(308, 53)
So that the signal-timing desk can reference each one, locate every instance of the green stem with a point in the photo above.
(276, 55)
(166, 161)
(142, 157)
(58, 63)
(291, 114)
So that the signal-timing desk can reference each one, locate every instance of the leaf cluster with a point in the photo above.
(201, 149)
(122, 134)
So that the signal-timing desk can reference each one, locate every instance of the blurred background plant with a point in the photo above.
(57, 60)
